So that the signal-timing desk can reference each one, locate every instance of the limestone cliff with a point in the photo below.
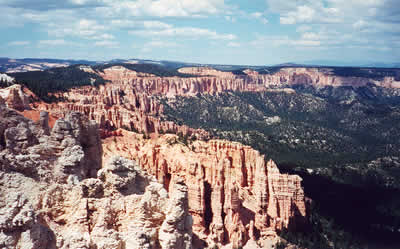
(56, 194)
(234, 195)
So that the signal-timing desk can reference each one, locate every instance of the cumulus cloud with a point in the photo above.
(161, 23)
(131, 24)
(301, 14)
(334, 11)
(45, 5)
(183, 32)
(83, 28)
(259, 16)
(168, 8)
(126, 8)
(340, 22)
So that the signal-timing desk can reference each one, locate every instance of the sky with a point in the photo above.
(243, 32)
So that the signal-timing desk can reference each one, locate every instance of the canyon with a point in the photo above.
(235, 195)
(167, 191)
(131, 100)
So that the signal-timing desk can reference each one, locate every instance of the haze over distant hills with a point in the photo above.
(10, 65)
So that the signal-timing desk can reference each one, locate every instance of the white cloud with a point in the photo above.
(310, 36)
(233, 44)
(168, 8)
(306, 40)
(185, 32)
(300, 15)
(256, 14)
(230, 19)
(149, 24)
(19, 43)
(306, 43)
(103, 37)
(259, 16)
(339, 23)
(58, 42)
(156, 25)
(83, 28)
(107, 44)
(83, 2)
(264, 20)
(161, 44)
(360, 24)
(303, 28)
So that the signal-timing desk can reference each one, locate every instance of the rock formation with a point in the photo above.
(79, 198)
(56, 194)
(6, 78)
(235, 196)
(131, 100)
(15, 97)
(118, 105)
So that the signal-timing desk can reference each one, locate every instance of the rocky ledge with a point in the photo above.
(55, 193)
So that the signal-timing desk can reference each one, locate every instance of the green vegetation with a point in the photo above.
(344, 142)
(4, 83)
(301, 128)
(322, 233)
(373, 73)
(56, 79)
(61, 79)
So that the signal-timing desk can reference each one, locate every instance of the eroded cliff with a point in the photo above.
(131, 100)
(235, 196)
(79, 195)
(56, 192)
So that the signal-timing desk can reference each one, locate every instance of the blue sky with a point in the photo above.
(253, 32)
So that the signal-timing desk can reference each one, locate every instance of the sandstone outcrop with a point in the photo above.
(56, 194)
(15, 98)
(287, 77)
(120, 72)
(131, 100)
(205, 71)
(118, 105)
(235, 196)
(6, 78)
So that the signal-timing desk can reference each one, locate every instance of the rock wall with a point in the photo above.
(15, 98)
(55, 194)
(131, 99)
(118, 105)
(234, 194)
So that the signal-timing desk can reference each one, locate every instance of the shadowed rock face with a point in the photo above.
(54, 193)
(234, 194)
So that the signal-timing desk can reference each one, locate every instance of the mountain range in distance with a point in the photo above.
(10, 65)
